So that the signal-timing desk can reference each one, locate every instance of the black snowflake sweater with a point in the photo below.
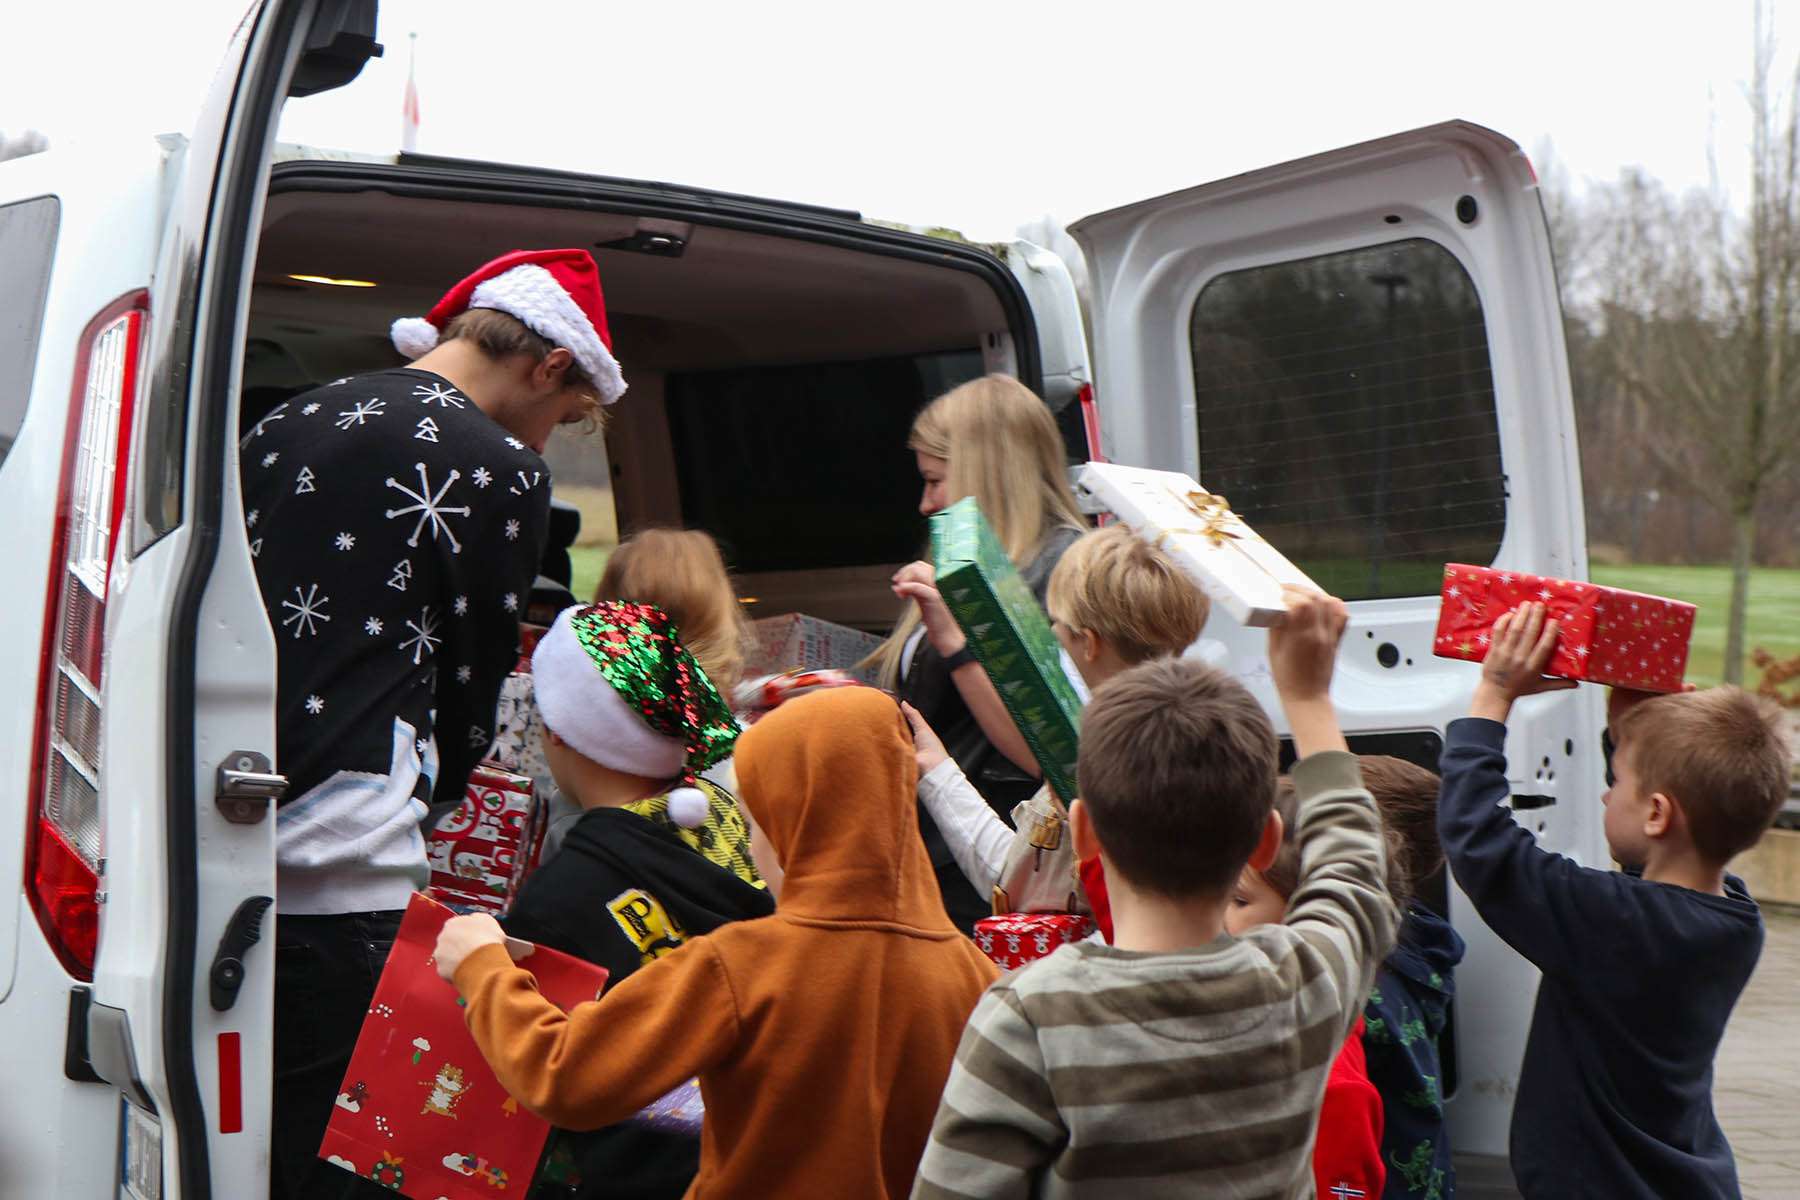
(396, 530)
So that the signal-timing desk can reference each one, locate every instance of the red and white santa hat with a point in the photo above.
(555, 293)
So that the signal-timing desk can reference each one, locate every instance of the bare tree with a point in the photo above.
(1700, 306)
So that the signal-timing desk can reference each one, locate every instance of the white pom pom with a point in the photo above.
(688, 807)
(413, 336)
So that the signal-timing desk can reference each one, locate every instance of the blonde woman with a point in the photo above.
(995, 440)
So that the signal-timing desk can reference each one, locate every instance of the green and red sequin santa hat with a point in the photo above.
(614, 681)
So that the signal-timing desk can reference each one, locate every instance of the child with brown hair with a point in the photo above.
(1641, 967)
(1185, 1061)
(1114, 601)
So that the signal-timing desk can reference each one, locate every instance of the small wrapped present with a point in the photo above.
(529, 636)
(756, 698)
(1011, 638)
(1234, 566)
(481, 853)
(795, 641)
(419, 1112)
(1605, 635)
(1019, 938)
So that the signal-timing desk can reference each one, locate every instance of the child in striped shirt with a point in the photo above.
(1185, 1061)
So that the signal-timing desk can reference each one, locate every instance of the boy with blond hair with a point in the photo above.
(1181, 1061)
(1641, 968)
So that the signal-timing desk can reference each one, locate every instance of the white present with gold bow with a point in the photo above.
(1236, 567)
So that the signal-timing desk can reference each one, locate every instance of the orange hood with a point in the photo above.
(832, 780)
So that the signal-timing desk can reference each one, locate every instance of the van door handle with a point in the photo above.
(247, 787)
(243, 931)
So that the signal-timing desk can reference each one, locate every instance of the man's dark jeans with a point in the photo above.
(325, 974)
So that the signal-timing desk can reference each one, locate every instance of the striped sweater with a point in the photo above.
(1104, 1072)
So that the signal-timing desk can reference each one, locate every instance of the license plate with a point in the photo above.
(140, 1154)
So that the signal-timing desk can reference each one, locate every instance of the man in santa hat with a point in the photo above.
(396, 520)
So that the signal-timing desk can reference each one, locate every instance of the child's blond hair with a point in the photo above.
(1722, 756)
(1119, 587)
(682, 572)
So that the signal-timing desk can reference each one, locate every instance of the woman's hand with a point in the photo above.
(461, 937)
(917, 581)
(927, 746)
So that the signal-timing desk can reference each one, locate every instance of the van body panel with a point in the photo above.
(1454, 189)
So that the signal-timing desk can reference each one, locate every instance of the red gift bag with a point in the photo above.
(481, 853)
(1014, 939)
(419, 1111)
(1605, 635)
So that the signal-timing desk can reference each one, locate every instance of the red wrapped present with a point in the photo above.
(757, 698)
(1014, 939)
(529, 637)
(420, 1112)
(481, 853)
(1606, 635)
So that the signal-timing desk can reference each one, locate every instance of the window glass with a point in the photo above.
(27, 245)
(1345, 407)
(802, 467)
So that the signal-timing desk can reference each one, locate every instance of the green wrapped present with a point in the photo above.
(1010, 637)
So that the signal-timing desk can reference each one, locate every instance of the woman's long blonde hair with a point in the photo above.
(1002, 447)
(682, 572)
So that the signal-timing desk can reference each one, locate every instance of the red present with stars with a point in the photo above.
(1607, 635)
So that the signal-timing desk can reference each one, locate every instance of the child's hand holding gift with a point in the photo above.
(1523, 642)
(461, 937)
(1303, 647)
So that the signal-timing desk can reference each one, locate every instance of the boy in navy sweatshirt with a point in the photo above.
(1641, 968)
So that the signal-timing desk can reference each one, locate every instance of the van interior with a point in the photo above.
(773, 379)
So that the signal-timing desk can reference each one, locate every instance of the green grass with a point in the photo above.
(585, 564)
(1772, 617)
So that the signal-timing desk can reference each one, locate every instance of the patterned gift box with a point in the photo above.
(1010, 636)
(481, 853)
(1607, 635)
(795, 641)
(419, 1112)
(1015, 939)
(518, 729)
(757, 698)
(1236, 568)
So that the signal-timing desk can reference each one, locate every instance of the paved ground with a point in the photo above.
(1757, 1081)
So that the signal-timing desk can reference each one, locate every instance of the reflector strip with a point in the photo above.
(231, 1083)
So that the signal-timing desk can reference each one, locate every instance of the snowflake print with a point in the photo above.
(430, 507)
(447, 397)
(482, 477)
(270, 457)
(308, 610)
(464, 674)
(373, 626)
(461, 607)
(527, 482)
(360, 413)
(510, 602)
(251, 516)
(346, 541)
(310, 409)
(512, 531)
(278, 413)
(315, 705)
(424, 639)
(515, 443)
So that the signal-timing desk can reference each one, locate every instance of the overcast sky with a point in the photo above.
(978, 114)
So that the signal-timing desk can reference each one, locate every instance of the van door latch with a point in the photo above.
(247, 787)
(243, 931)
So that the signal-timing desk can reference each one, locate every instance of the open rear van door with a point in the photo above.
(1364, 352)
(145, 695)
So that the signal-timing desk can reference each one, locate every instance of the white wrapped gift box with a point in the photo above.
(1239, 570)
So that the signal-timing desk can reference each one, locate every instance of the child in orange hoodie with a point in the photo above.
(821, 1035)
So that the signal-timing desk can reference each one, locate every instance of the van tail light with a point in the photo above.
(62, 864)
(1090, 421)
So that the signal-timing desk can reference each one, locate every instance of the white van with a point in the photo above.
(1363, 350)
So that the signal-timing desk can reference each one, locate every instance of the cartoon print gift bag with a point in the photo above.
(419, 1111)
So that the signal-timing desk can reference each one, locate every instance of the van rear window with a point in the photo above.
(806, 467)
(1345, 407)
(27, 245)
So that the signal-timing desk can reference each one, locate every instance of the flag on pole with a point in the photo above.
(409, 107)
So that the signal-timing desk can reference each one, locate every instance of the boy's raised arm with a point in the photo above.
(1342, 894)
(1532, 898)
(602, 1061)
(997, 1127)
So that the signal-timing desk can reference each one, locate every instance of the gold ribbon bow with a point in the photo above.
(1216, 516)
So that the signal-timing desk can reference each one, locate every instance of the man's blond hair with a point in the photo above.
(1721, 755)
(1116, 585)
(501, 335)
